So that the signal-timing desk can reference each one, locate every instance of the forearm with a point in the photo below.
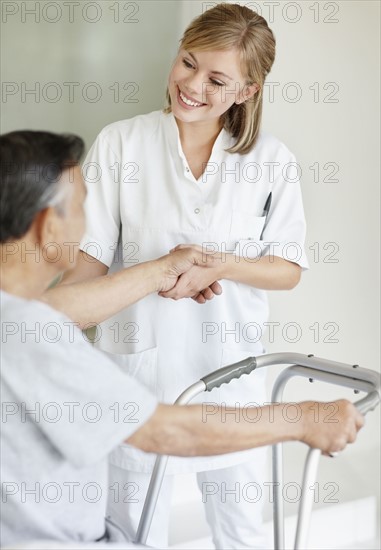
(91, 302)
(209, 429)
(267, 272)
(201, 430)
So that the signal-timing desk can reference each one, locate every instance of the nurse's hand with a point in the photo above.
(185, 288)
(215, 289)
(170, 268)
(198, 282)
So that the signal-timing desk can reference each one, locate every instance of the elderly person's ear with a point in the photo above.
(47, 228)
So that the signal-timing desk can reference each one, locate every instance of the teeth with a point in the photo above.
(189, 102)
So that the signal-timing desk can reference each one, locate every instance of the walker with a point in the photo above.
(308, 366)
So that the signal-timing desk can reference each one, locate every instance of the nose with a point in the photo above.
(196, 85)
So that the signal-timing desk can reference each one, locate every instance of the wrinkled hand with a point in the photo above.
(179, 261)
(330, 426)
(198, 283)
(199, 293)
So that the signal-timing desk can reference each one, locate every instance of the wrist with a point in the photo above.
(148, 276)
(157, 274)
(224, 269)
(304, 421)
(292, 425)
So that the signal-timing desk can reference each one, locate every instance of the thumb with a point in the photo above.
(185, 246)
(203, 259)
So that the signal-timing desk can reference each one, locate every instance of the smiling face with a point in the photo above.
(203, 85)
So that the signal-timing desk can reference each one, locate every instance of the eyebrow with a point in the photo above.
(213, 72)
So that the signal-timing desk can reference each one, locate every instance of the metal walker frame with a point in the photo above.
(308, 366)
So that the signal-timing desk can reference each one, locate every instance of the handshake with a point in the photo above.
(190, 272)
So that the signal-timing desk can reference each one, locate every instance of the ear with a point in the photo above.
(248, 92)
(48, 228)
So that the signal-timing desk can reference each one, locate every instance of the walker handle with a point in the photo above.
(225, 374)
(368, 403)
(364, 405)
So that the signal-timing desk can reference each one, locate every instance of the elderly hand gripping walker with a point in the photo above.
(351, 376)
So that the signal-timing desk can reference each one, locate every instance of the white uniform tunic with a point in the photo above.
(142, 193)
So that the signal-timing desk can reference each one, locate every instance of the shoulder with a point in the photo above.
(15, 308)
(139, 125)
(32, 322)
(270, 148)
(125, 137)
(34, 335)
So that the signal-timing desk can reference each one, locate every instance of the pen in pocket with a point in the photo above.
(266, 210)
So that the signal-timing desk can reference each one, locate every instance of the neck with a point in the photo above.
(200, 133)
(23, 274)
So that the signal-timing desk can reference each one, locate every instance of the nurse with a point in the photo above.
(200, 172)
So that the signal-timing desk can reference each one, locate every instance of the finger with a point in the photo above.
(216, 288)
(183, 246)
(165, 294)
(204, 259)
(199, 298)
(207, 293)
(352, 435)
(360, 420)
(178, 292)
(178, 247)
(172, 293)
(333, 454)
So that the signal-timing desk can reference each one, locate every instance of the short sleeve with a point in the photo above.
(286, 225)
(101, 170)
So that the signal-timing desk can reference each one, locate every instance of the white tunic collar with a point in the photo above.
(224, 141)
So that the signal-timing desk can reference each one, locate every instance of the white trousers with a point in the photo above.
(233, 499)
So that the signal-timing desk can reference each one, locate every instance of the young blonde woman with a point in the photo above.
(200, 172)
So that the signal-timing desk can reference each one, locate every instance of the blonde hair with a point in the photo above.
(229, 26)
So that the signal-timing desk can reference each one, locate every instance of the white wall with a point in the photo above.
(340, 57)
(131, 47)
(344, 295)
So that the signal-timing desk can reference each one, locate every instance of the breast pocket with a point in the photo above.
(246, 226)
(245, 232)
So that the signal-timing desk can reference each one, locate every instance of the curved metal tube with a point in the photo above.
(324, 365)
(159, 471)
(349, 376)
(301, 365)
(311, 465)
(207, 383)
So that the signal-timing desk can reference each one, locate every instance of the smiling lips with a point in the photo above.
(188, 101)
